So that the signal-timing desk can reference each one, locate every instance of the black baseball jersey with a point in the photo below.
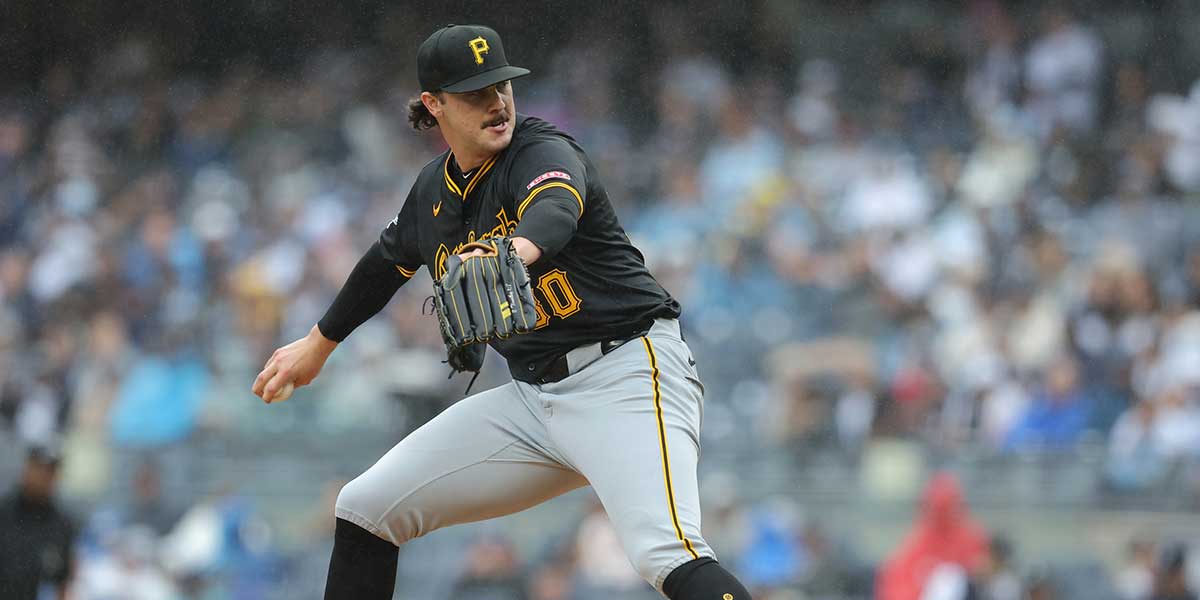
(591, 284)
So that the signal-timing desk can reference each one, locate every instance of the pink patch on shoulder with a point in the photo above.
(547, 175)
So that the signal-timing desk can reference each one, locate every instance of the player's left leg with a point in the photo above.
(481, 458)
(630, 423)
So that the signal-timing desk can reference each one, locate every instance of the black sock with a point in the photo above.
(703, 579)
(363, 565)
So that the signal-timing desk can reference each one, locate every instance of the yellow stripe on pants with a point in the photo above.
(662, 443)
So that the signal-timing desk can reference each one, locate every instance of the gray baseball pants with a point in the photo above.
(627, 423)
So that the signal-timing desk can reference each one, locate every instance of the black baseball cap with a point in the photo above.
(463, 58)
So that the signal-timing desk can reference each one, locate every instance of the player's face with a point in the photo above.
(482, 120)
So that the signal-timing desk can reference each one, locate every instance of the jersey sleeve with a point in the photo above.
(548, 183)
(398, 240)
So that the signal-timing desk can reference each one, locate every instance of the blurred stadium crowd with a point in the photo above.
(976, 229)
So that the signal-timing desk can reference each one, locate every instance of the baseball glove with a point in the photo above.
(483, 297)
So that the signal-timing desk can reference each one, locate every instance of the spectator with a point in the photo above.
(16, 138)
(944, 535)
(1003, 406)
(855, 411)
(603, 571)
(130, 572)
(492, 572)
(993, 79)
(1059, 414)
(1174, 118)
(1135, 580)
(1063, 69)
(160, 398)
(1171, 582)
(149, 507)
(775, 555)
(833, 570)
(1001, 167)
(998, 579)
(1041, 586)
(36, 551)
(889, 194)
(1177, 428)
(1135, 459)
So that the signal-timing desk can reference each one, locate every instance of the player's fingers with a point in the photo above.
(264, 376)
(273, 386)
(261, 380)
(284, 393)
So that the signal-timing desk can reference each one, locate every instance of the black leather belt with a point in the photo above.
(560, 368)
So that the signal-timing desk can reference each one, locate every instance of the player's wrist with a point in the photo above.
(319, 340)
(527, 250)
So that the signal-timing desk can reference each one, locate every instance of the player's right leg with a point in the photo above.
(478, 459)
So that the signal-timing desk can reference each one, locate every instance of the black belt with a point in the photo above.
(559, 369)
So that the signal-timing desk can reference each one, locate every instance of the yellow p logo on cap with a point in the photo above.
(479, 47)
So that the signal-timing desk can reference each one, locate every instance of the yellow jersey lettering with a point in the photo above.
(559, 293)
(439, 260)
(556, 291)
(543, 317)
(504, 228)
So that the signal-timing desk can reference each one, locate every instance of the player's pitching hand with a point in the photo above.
(293, 366)
(527, 250)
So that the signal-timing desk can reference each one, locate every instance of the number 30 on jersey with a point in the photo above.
(555, 291)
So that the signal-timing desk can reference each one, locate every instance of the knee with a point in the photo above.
(362, 504)
(354, 498)
(358, 504)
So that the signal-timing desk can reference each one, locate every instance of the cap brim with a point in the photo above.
(486, 78)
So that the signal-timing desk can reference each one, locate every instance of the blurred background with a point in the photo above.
(939, 262)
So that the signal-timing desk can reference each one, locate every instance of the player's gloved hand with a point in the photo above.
(466, 358)
(485, 294)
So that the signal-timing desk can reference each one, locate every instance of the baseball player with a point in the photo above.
(605, 390)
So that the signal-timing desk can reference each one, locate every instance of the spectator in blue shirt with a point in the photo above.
(1059, 414)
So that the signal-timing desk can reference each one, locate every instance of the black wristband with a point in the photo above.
(370, 286)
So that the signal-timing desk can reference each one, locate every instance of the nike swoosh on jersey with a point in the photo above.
(437, 208)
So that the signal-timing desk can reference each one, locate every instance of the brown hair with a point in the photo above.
(419, 116)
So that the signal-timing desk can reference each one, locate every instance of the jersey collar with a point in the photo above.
(464, 191)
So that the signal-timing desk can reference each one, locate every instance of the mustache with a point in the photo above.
(503, 117)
